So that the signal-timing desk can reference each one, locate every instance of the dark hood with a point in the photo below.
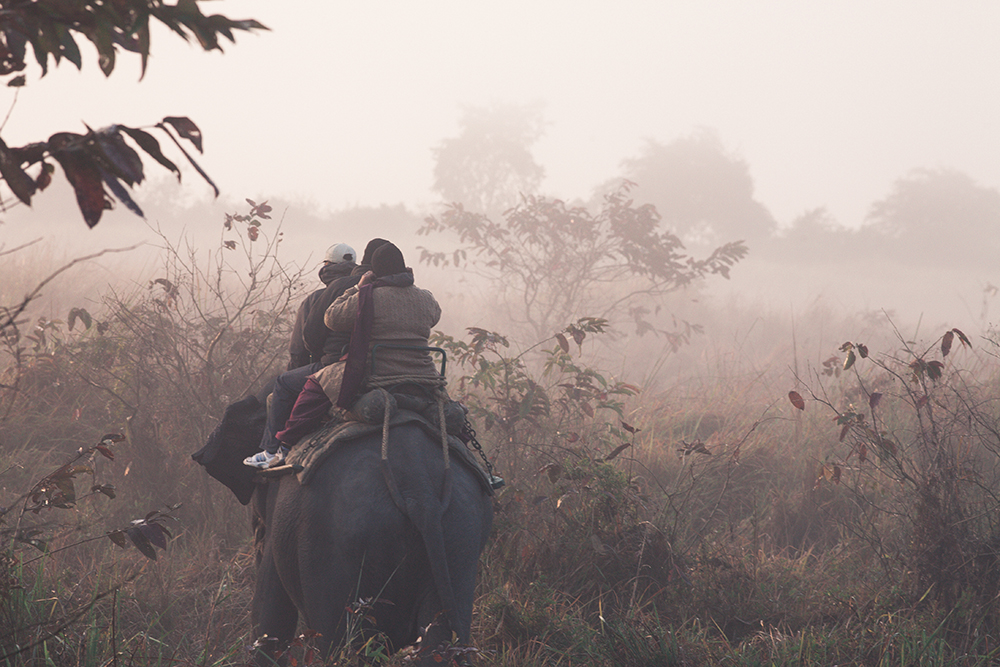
(330, 272)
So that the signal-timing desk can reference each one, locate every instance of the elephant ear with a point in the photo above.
(236, 437)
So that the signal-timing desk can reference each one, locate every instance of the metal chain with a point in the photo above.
(469, 436)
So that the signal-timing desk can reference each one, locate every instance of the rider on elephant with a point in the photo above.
(338, 263)
(384, 308)
(323, 349)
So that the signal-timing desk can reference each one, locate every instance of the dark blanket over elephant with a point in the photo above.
(341, 538)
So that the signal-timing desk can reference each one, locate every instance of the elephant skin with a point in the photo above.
(342, 538)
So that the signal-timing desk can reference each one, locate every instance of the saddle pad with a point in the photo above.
(315, 448)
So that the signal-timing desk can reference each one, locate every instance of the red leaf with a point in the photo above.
(45, 177)
(946, 341)
(630, 428)
(962, 337)
(107, 453)
(563, 343)
(796, 400)
(85, 177)
(578, 335)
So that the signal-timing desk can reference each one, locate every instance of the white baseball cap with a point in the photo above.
(341, 252)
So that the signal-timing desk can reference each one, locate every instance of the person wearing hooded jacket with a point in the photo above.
(323, 347)
(384, 307)
(338, 263)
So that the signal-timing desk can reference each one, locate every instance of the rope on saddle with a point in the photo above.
(437, 386)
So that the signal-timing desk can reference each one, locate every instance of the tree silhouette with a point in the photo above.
(547, 261)
(489, 165)
(939, 217)
(703, 193)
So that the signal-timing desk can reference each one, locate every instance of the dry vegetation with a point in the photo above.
(701, 522)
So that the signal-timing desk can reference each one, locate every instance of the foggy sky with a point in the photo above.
(341, 103)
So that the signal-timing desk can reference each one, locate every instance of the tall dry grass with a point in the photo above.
(700, 519)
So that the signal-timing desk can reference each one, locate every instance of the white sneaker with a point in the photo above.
(263, 460)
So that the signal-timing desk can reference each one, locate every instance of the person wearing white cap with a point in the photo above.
(339, 261)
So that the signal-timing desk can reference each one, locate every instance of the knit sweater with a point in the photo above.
(403, 316)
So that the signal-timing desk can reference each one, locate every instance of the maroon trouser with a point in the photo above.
(310, 410)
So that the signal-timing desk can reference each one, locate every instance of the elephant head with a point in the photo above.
(232, 441)
(342, 538)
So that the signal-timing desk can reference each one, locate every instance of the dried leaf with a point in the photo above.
(946, 341)
(874, 398)
(630, 428)
(617, 450)
(83, 316)
(553, 470)
(849, 361)
(843, 431)
(563, 343)
(796, 400)
(963, 338)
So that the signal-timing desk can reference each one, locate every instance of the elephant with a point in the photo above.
(342, 537)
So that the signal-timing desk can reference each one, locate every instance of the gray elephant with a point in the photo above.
(343, 537)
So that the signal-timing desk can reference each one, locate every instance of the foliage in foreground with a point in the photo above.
(714, 523)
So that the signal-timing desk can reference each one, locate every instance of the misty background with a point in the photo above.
(853, 147)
